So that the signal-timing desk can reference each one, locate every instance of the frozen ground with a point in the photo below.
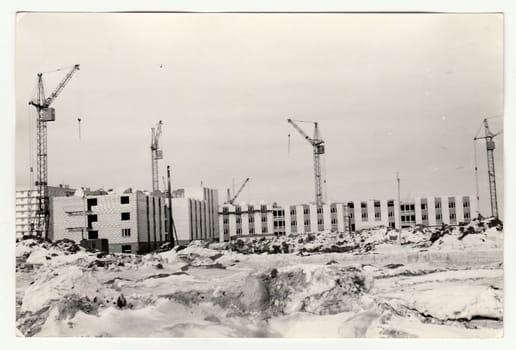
(438, 283)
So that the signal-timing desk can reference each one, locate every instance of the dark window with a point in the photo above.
(306, 211)
(126, 232)
(319, 210)
(412, 207)
(413, 218)
(377, 204)
(126, 216)
(363, 205)
(351, 205)
(92, 219)
(293, 223)
(91, 202)
(93, 235)
(320, 221)
(451, 205)
(390, 203)
(126, 248)
(466, 215)
(124, 200)
(251, 219)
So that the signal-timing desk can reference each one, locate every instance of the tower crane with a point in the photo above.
(41, 218)
(318, 149)
(156, 154)
(490, 146)
(231, 200)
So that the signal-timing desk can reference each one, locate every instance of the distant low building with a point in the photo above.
(27, 204)
(136, 222)
(273, 219)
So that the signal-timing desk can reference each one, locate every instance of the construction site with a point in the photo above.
(323, 259)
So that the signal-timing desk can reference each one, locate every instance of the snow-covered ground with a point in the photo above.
(437, 283)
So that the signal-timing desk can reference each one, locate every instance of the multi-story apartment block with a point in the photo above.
(131, 222)
(27, 203)
(195, 213)
(136, 222)
(241, 220)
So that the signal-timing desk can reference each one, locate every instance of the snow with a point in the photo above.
(452, 287)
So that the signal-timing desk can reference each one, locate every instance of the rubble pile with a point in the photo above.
(368, 239)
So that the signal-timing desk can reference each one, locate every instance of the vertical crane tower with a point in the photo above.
(156, 154)
(490, 147)
(318, 150)
(40, 221)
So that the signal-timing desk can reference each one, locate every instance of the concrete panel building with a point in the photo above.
(343, 216)
(195, 213)
(27, 203)
(137, 222)
(131, 222)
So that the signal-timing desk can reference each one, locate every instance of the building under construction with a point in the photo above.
(136, 221)
(349, 216)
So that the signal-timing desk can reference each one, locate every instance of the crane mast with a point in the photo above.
(232, 200)
(490, 147)
(39, 222)
(318, 150)
(156, 154)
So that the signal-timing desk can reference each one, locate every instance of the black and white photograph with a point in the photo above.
(259, 175)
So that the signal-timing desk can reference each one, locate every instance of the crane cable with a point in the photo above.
(58, 69)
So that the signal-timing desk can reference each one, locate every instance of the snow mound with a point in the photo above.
(462, 303)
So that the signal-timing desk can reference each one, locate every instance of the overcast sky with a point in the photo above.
(391, 93)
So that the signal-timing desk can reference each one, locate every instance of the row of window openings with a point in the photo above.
(251, 231)
(403, 207)
(126, 232)
(404, 218)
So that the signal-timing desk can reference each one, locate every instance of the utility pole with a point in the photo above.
(170, 219)
(399, 206)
